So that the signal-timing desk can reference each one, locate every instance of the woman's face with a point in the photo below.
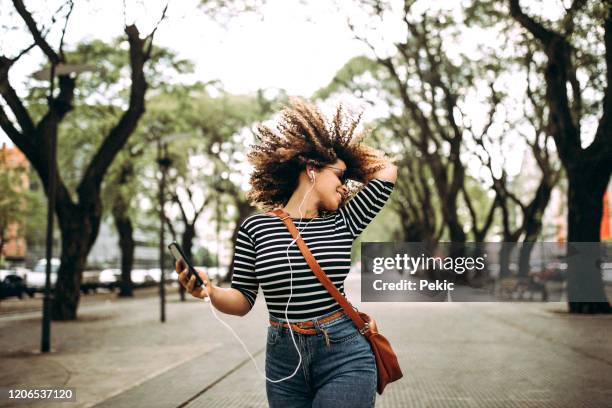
(328, 184)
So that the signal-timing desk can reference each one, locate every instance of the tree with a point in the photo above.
(433, 86)
(129, 176)
(417, 205)
(219, 143)
(119, 194)
(587, 168)
(426, 92)
(529, 226)
(79, 218)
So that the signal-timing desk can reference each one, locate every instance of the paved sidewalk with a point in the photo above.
(474, 355)
(15, 306)
(115, 345)
(118, 354)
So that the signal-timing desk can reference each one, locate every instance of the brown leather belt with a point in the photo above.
(303, 327)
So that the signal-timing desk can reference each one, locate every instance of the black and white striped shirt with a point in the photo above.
(260, 256)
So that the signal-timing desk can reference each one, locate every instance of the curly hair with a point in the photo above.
(304, 136)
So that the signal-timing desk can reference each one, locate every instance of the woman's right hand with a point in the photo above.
(190, 284)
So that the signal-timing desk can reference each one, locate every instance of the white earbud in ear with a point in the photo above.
(312, 176)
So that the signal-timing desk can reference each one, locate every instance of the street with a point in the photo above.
(118, 354)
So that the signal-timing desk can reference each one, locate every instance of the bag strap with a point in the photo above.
(323, 278)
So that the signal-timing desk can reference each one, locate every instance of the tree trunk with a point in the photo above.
(588, 169)
(505, 256)
(533, 226)
(127, 246)
(525, 258)
(412, 232)
(585, 288)
(79, 223)
(187, 240)
(457, 238)
(79, 226)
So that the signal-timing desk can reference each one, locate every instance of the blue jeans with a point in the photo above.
(337, 372)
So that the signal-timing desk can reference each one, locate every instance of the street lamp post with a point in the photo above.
(45, 344)
(164, 162)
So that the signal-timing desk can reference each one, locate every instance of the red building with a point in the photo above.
(605, 219)
(12, 159)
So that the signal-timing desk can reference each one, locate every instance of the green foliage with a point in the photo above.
(348, 77)
(204, 257)
(206, 150)
(100, 99)
(583, 29)
(101, 96)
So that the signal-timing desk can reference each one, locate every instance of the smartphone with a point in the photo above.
(179, 255)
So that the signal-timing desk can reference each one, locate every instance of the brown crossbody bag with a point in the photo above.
(386, 361)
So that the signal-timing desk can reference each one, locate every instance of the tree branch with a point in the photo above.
(61, 45)
(149, 37)
(536, 29)
(119, 134)
(470, 207)
(568, 19)
(170, 227)
(601, 147)
(12, 100)
(558, 70)
(23, 52)
(36, 34)
(183, 214)
(12, 132)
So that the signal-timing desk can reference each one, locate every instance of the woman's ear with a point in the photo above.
(309, 169)
(310, 173)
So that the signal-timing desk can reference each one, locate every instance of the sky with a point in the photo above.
(286, 45)
(295, 45)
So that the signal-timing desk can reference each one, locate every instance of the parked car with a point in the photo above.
(19, 271)
(6, 272)
(14, 285)
(110, 278)
(606, 272)
(36, 278)
(555, 271)
(155, 274)
(90, 280)
(141, 277)
(169, 276)
(23, 272)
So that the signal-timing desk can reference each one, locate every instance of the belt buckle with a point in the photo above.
(304, 325)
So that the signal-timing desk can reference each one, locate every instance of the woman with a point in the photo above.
(314, 355)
